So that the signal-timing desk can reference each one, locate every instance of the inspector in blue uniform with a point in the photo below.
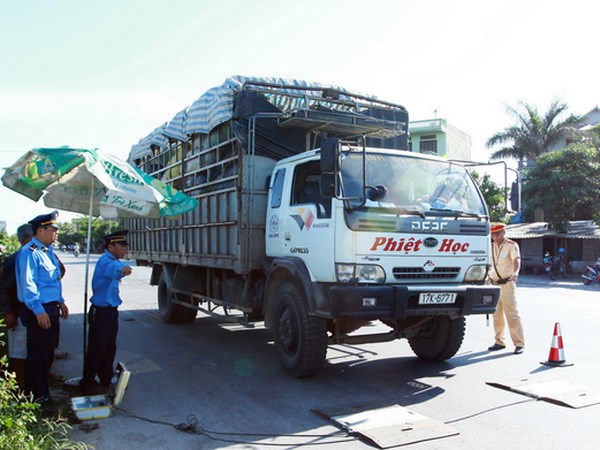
(104, 315)
(39, 289)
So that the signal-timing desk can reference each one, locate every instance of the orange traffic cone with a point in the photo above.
(556, 358)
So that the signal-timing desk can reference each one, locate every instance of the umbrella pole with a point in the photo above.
(87, 275)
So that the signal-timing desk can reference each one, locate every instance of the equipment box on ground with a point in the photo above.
(91, 407)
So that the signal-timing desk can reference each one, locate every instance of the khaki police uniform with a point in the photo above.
(503, 257)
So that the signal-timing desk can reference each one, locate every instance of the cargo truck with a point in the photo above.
(315, 218)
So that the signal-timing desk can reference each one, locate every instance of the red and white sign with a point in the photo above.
(414, 245)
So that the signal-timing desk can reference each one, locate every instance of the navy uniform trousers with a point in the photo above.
(40, 350)
(102, 344)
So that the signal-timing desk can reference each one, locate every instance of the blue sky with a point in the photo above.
(105, 73)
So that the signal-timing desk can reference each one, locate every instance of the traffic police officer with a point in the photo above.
(40, 291)
(506, 262)
(104, 316)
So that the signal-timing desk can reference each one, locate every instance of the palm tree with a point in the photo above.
(533, 135)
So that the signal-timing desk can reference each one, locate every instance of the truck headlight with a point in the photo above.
(475, 273)
(359, 273)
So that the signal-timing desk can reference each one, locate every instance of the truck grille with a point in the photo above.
(417, 273)
(377, 225)
(473, 228)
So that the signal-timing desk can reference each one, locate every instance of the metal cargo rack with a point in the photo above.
(342, 124)
(337, 112)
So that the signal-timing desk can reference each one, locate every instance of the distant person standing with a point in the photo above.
(506, 263)
(10, 307)
(104, 315)
(40, 290)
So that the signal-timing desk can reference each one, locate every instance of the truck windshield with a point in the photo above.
(406, 185)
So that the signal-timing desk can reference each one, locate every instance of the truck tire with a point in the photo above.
(188, 315)
(169, 311)
(439, 338)
(300, 339)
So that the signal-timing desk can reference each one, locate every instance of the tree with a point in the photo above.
(565, 184)
(493, 195)
(589, 136)
(76, 230)
(9, 244)
(533, 135)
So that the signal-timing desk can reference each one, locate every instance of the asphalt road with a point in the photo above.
(229, 379)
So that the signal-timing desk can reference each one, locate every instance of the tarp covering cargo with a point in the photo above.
(302, 107)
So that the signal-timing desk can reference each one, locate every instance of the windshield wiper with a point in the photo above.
(412, 211)
(457, 213)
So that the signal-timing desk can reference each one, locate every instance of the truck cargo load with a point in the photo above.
(314, 218)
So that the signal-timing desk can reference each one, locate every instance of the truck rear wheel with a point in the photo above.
(439, 338)
(188, 315)
(169, 311)
(300, 339)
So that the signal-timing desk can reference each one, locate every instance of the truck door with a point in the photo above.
(307, 224)
(274, 231)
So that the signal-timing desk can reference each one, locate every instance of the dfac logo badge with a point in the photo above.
(304, 218)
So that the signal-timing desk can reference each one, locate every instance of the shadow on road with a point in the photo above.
(477, 357)
(573, 281)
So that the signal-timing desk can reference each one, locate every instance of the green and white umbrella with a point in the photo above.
(93, 183)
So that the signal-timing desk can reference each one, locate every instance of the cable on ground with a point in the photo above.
(191, 426)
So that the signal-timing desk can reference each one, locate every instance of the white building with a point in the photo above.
(586, 122)
(438, 137)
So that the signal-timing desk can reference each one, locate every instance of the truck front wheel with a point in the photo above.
(438, 339)
(300, 339)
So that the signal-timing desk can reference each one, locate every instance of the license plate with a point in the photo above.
(436, 298)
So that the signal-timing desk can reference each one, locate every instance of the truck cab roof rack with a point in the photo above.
(342, 124)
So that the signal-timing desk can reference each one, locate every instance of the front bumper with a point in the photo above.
(400, 301)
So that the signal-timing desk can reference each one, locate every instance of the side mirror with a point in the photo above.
(515, 196)
(376, 193)
(329, 155)
(327, 184)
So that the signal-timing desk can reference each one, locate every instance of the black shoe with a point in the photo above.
(519, 350)
(496, 347)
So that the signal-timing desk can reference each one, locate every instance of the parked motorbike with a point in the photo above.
(548, 263)
(558, 266)
(555, 265)
(592, 273)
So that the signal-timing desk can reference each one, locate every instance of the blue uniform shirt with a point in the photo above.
(105, 282)
(38, 276)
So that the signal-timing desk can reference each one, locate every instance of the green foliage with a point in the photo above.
(565, 184)
(10, 242)
(589, 137)
(493, 195)
(76, 230)
(22, 425)
(533, 134)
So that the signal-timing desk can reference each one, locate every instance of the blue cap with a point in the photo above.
(45, 220)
